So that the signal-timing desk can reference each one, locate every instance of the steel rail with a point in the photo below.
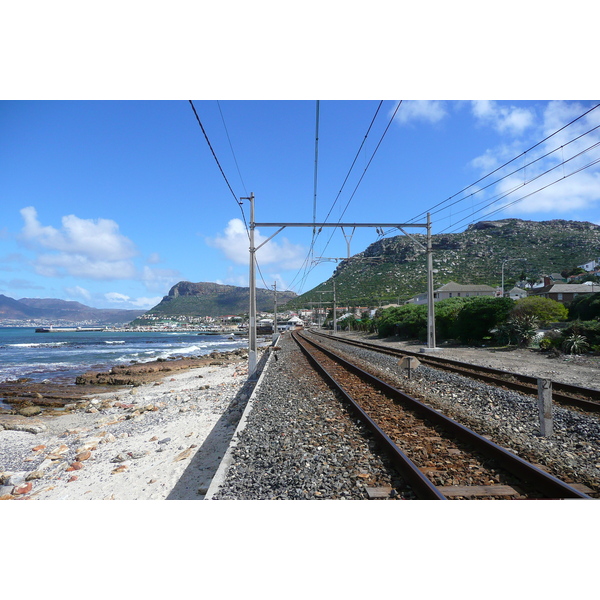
(549, 485)
(419, 482)
(561, 392)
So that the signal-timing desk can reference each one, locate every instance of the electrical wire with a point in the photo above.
(316, 167)
(309, 259)
(219, 165)
(505, 164)
(529, 164)
(231, 147)
(504, 206)
(365, 170)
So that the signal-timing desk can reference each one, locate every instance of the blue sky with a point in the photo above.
(110, 203)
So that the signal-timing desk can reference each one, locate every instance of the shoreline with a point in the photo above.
(163, 439)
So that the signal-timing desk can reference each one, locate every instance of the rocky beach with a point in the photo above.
(152, 431)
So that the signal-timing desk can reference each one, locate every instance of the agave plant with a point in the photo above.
(518, 329)
(575, 344)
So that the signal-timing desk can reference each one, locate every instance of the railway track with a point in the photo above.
(566, 394)
(438, 457)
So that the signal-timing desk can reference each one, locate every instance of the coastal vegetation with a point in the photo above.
(500, 321)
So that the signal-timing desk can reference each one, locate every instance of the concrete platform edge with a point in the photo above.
(219, 476)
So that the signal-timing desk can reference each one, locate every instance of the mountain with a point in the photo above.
(14, 309)
(395, 269)
(52, 309)
(214, 300)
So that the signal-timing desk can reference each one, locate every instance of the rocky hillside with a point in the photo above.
(214, 300)
(394, 268)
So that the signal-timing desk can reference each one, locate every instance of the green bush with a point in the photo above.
(544, 310)
(518, 330)
(479, 316)
(446, 312)
(590, 330)
(585, 307)
(551, 339)
(405, 321)
(575, 344)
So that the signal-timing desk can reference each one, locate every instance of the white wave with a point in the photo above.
(114, 342)
(38, 345)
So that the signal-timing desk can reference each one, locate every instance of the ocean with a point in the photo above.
(61, 356)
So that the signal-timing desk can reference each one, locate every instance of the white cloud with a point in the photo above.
(505, 119)
(89, 248)
(93, 238)
(540, 183)
(235, 245)
(154, 258)
(78, 292)
(430, 111)
(122, 299)
(159, 280)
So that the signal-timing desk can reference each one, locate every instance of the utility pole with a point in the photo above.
(275, 313)
(430, 303)
(334, 310)
(503, 263)
(252, 279)
(252, 285)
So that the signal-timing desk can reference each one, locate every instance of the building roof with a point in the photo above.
(567, 288)
(451, 286)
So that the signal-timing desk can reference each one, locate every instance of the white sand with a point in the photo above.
(199, 422)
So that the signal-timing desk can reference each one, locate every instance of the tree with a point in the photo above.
(480, 315)
(585, 308)
(544, 310)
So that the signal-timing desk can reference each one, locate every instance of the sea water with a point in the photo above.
(61, 356)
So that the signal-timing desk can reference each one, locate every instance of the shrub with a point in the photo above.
(480, 315)
(446, 312)
(518, 330)
(544, 310)
(404, 321)
(585, 308)
(590, 330)
(575, 344)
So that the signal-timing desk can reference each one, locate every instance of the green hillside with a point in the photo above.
(214, 300)
(394, 269)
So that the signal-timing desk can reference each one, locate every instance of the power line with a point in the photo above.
(219, 165)
(308, 260)
(430, 210)
(504, 206)
(365, 170)
(315, 179)
(524, 167)
(231, 146)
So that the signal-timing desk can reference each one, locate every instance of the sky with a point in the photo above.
(110, 203)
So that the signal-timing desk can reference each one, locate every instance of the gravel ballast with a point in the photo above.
(294, 447)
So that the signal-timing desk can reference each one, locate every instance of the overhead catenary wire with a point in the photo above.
(523, 168)
(365, 170)
(520, 185)
(504, 206)
(231, 147)
(522, 154)
(308, 260)
(219, 165)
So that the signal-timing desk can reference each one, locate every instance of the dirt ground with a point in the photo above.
(574, 369)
